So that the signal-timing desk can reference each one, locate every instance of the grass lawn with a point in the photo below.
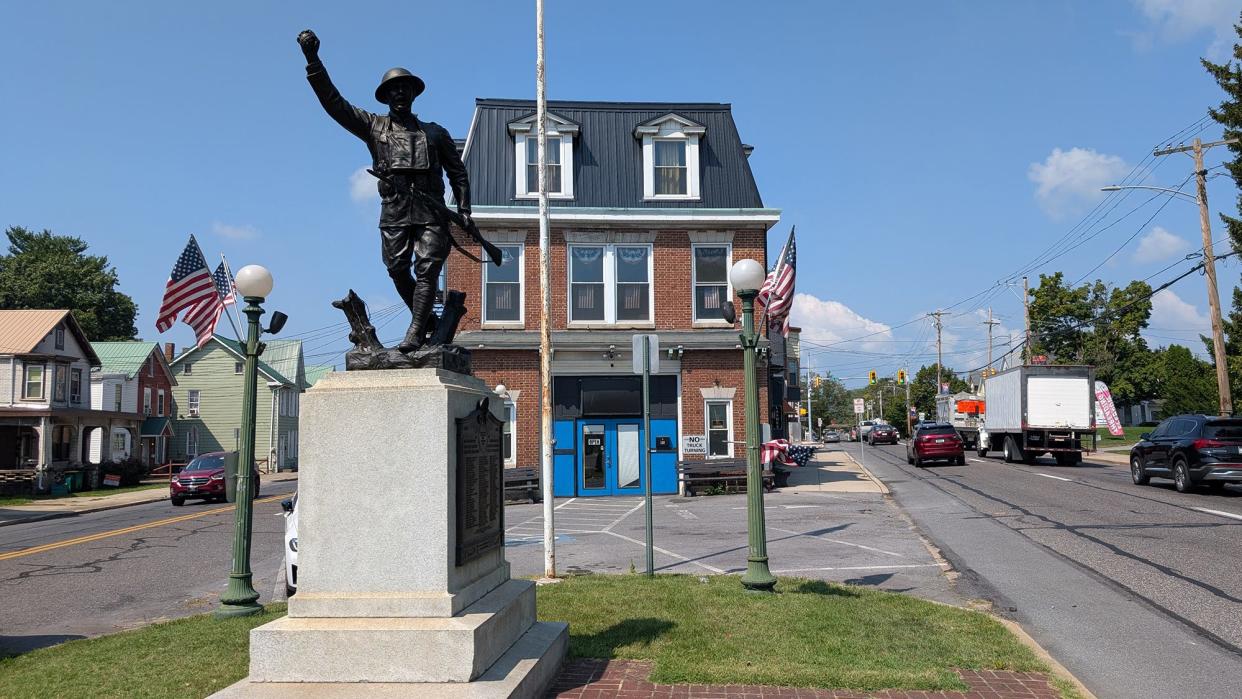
(696, 630)
(1130, 437)
(101, 491)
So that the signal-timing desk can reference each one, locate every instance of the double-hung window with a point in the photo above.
(75, 386)
(159, 409)
(34, 382)
(60, 375)
(610, 284)
(507, 432)
(558, 157)
(238, 368)
(503, 287)
(192, 400)
(711, 282)
(146, 402)
(553, 162)
(670, 168)
(719, 428)
(670, 146)
(60, 337)
(116, 397)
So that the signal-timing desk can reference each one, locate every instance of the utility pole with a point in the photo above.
(909, 421)
(937, 315)
(1026, 314)
(989, 322)
(545, 311)
(1209, 267)
(810, 412)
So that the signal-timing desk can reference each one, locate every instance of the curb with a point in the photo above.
(1057, 668)
(871, 476)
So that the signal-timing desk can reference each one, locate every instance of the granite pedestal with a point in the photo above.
(380, 598)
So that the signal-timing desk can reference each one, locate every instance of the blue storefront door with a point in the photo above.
(610, 454)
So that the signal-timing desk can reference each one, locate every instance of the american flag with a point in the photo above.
(206, 315)
(786, 454)
(776, 294)
(189, 284)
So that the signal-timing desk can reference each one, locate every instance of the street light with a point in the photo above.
(1209, 270)
(746, 276)
(240, 598)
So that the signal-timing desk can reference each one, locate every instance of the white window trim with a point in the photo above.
(239, 368)
(118, 397)
(513, 433)
(707, 426)
(520, 323)
(694, 284)
(194, 402)
(146, 401)
(555, 127)
(671, 128)
(610, 286)
(26, 381)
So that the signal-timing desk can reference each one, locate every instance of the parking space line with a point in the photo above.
(888, 567)
(838, 541)
(666, 552)
(978, 461)
(1230, 515)
(1048, 475)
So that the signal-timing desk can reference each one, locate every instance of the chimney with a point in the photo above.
(169, 351)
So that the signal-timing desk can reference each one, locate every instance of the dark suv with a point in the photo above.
(1192, 450)
(204, 478)
(886, 434)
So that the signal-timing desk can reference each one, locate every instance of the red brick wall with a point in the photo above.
(723, 368)
(672, 265)
(517, 370)
(155, 383)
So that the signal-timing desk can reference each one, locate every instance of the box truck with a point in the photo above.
(1036, 410)
(965, 412)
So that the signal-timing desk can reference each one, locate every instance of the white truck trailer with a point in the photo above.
(1035, 410)
(965, 412)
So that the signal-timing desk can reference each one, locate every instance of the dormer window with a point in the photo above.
(670, 157)
(559, 155)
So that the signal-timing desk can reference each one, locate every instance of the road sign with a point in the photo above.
(654, 352)
(819, 422)
(859, 406)
(870, 404)
(693, 444)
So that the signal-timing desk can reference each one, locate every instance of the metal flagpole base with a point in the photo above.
(757, 577)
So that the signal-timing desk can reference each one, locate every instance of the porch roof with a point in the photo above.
(156, 427)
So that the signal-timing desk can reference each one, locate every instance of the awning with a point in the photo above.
(157, 427)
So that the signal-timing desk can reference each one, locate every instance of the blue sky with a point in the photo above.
(924, 150)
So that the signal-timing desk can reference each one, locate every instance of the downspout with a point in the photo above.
(271, 434)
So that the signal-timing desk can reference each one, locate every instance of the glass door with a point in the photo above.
(594, 461)
(629, 457)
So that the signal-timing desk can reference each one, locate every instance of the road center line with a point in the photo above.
(1047, 475)
(1218, 513)
(117, 532)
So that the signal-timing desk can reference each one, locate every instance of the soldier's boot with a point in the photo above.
(420, 311)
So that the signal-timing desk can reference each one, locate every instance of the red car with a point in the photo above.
(935, 441)
(204, 478)
(882, 434)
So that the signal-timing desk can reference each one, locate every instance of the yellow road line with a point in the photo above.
(117, 532)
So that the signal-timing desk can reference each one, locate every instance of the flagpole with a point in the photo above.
(763, 324)
(229, 273)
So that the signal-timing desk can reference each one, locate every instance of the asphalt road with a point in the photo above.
(108, 571)
(1134, 588)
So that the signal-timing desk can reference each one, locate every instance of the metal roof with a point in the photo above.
(285, 356)
(22, 330)
(607, 161)
(315, 372)
(238, 350)
(123, 357)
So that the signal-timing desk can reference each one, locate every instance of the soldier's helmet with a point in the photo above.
(393, 75)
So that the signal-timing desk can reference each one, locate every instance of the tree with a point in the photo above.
(1186, 383)
(44, 270)
(923, 388)
(831, 401)
(1232, 324)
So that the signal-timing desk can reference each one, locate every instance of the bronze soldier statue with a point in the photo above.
(408, 156)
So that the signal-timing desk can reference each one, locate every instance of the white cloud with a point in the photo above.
(1177, 20)
(1068, 180)
(1159, 245)
(225, 230)
(825, 322)
(362, 186)
(1169, 313)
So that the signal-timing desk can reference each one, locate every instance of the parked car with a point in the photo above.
(831, 436)
(204, 478)
(935, 441)
(864, 428)
(290, 506)
(1193, 450)
(882, 434)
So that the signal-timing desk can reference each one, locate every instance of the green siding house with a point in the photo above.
(207, 401)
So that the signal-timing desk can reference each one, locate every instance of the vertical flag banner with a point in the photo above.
(1104, 400)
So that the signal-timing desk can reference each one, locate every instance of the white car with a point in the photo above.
(290, 507)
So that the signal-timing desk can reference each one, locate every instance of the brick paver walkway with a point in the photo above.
(627, 679)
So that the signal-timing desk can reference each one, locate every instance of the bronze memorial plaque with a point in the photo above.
(480, 484)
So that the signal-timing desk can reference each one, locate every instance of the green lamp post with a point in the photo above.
(747, 276)
(254, 283)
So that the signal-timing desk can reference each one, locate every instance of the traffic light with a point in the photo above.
(817, 381)
(901, 377)
(871, 377)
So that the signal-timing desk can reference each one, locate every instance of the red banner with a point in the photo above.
(1104, 400)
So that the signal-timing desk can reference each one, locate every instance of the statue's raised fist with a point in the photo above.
(309, 43)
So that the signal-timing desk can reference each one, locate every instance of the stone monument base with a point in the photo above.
(403, 589)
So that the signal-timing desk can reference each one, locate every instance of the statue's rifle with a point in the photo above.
(466, 224)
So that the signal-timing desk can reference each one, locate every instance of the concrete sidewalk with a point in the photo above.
(56, 508)
(833, 472)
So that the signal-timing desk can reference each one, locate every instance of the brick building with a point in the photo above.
(650, 206)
